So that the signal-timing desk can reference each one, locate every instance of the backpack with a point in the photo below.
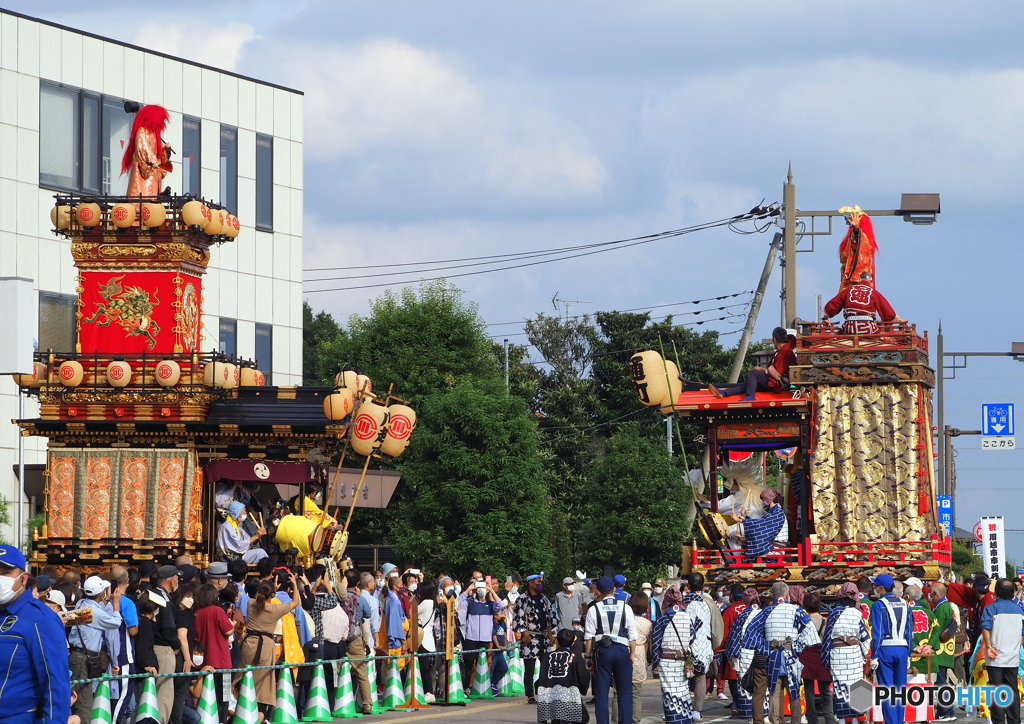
(350, 604)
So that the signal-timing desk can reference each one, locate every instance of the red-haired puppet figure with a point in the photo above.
(147, 159)
(857, 250)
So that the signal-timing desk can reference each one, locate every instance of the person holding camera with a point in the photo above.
(610, 642)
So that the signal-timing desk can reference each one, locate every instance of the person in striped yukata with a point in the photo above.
(698, 609)
(759, 534)
(740, 657)
(781, 633)
(844, 648)
(674, 636)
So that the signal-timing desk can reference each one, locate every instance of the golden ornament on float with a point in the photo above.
(87, 214)
(647, 370)
(167, 373)
(401, 423)
(119, 373)
(36, 379)
(60, 217)
(369, 427)
(252, 377)
(215, 374)
(71, 373)
(153, 215)
(195, 213)
(122, 215)
(338, 405)
(675, 387)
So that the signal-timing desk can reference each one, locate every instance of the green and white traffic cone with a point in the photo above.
(506, 685)
(456, 689)
(371, 675)
(344, 697)
(318, 707)
(481, 679)
(148, 706)
(101, 703)
(414, 698)
(285, 711)
(516, 669)
(207, 705)
(393, 695)
(246, 711)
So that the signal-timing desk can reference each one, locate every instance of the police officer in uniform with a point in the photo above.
(35, 685)
(892, 639)
(610, 642)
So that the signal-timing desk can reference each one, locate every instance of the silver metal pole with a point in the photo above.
(755, 307)
(19, 539)
(668, 433)
(940, 417)
(505, 345)
(789, 248)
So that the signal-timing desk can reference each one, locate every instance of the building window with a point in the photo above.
(264, 182)
(190, 130)
(82, 138)
(265, 349)
(229, 168)
(228, 337)
(57, 329)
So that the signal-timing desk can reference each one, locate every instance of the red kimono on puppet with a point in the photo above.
(147, 159)
(862, 306)
(858, 248)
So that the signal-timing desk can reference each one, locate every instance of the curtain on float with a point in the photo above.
(865, 461)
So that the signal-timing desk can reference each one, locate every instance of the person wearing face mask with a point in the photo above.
(533, 619)
(476, 617)
(653, 607)
(88, 642)
(568, 605)
(213, 627)
(232, 539)
(759, 534)
(166, 644)
(183, 601)
(32, 646)
(190, 713)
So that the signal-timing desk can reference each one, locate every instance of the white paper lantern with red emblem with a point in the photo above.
(675, 387)
(153, 215)
(87, 214)
(647, 370)
(338, 405)
(36, 379)
(231, 226)
(233, 377)
(167, 373)
(346, 378)
(252, 377)
(60, 217)
(368, 428)
(215, 226)
(71, 373)
(122, 215)
(215, 374)
(195, 213)
(119, 373)
(400, 426)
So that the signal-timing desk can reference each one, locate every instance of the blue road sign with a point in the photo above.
(997, 419)
(945, 506)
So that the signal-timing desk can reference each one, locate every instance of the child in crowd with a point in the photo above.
(563, 679)
(499, 665)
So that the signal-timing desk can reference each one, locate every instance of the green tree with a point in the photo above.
(318, 332)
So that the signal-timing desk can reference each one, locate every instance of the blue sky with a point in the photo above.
(440, 130)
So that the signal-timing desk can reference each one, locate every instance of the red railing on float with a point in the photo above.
(852, 553)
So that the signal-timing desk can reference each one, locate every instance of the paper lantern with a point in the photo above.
(153, 215)
(368, 428)
(231, 226)
(252, 377)
(338, 405)
(215, 226)
(365, 385)
(60, 217)
(87, 214)
(167, 373)
(675, 387)
(346, 378)
(70, 373)
(122, 215)
(119, 373)
(36, 379)
(195, 213)
(647, 369)
(401, 423)
(215, 374)
(232, 377)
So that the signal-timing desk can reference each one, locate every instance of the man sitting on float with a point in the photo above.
(296, 531)
(745, 486)
(311, 509)
(862, 306)
(232, 539)
(761, 533)
(774, 378)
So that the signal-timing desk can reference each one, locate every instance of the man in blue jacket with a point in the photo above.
(892, 639)
(1002, 626)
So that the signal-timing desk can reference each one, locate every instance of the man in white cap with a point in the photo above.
(654, 607)
(88, 641)
(568, 604)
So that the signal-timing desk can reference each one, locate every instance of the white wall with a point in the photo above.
(255, 278)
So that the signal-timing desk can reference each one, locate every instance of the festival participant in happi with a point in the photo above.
(862, 306)
(773, 378)
(533, 620)
(232, 539)
(673, 644)
(844, 648)
(945, 616)
(698, 608)
(759, 534)
(740, 658)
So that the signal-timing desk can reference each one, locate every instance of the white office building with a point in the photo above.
(62, 128)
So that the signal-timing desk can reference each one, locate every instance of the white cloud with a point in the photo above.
(219, 46)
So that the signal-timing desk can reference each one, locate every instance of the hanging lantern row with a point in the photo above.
(166, 373)
(376, 426)
(215, 222)
(655, 380)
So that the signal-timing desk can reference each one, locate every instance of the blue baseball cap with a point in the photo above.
(12, 558)
(882, 580)
(620, 580)
(604, 584)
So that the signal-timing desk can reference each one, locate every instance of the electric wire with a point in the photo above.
(649, 307)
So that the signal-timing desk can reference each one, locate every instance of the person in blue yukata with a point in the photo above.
(759, 534)
(892, 639)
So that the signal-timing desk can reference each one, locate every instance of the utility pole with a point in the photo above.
(755, 308)
(668, 433)
(505, 345)
(789, 249)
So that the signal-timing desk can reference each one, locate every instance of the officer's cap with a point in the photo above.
(883, 580)
(605, 584)
(165, 572)
(620, 580)
(11, 557)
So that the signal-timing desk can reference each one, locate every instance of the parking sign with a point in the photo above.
(945, 506)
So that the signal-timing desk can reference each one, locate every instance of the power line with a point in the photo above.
(656, 306)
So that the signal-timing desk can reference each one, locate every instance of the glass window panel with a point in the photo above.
(265, 349)
(58, 136)
(117, 128)
(57, 322)
(190, 140)
(90, 143)
(264, 181)
(228, 337)
(229, 168)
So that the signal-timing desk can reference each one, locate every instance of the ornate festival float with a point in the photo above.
(852, 424)
(155, 446)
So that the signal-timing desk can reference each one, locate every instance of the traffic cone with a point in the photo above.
(371, 674)
(101, 703)
(285, 711)
(456, 689)
(481, 679)
(207, 705)
(414, 698)
(393, 696)
(148, 707)
(506, 685)
(318, 708)
(246, 711)
(344, 698)
(516, 668)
